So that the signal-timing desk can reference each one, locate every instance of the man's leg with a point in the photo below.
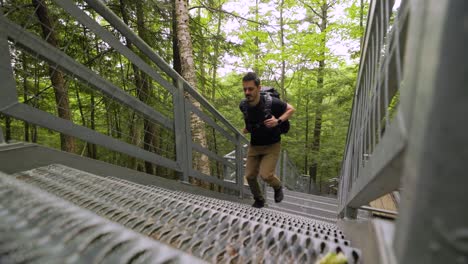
(251, 173)
(267, 170)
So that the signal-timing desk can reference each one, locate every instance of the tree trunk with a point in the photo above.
(80, 105)
(201, 56)
(361, 20)
(91, 148)
(82, 115)
(133, 125)
(67, 143)
(283, 61)
(316, 144)
(144, 92)
(134, 139)
(320, 87)
(215, 60)
(306, 131)
(256, 42)
(201, 162)
(7, 128)
(202, 87)
(177, 64)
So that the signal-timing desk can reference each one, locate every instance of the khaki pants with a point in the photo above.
(261, 160)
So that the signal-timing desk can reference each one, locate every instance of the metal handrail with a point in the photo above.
(375, 138)
(183, 108)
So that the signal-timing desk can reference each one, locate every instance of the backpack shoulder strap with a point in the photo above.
(268, 103)
(243, 107)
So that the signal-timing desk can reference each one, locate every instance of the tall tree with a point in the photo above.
(202, 54)
(216, 55)
(283, 59)
(256, 68)
(188, 73)
(143, 86)
(215, 64)
(176, 63)
(67, 143)
(321, 14)
(133, 122)
(91, 148)
(144, 90)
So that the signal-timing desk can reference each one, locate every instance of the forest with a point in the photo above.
(308, 50)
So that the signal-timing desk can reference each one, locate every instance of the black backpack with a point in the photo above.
(267, 93)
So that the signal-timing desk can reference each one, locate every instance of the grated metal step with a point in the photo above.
(302, 225)
(36, 227)
(307, 199)
(312, 206)
(212, 229)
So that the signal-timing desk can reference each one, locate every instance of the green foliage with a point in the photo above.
(255, 42)
(333, 258)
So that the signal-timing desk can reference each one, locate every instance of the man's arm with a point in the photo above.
(273, 121)
(288, 113)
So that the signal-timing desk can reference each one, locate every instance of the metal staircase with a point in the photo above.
(214, 230)
(407, 133)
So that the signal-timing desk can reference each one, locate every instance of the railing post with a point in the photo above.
(2, 139)
(9, 95)
(239, 165)
(225, 171)
(350, 213)
(285, 167)
(180, 130)
(344, 187)
(278, 171)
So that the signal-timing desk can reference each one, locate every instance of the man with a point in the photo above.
(265, 137)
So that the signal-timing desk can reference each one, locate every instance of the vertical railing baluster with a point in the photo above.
(182, 151)
(239, 165)
(188, 136)
(9, 94)
(2, 139)
(284, 174)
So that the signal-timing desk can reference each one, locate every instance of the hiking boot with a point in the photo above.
(279, 194)
(258, 203)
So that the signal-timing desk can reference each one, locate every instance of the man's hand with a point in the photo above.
(272, 122)
(245, 131)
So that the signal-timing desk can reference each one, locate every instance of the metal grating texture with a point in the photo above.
(295, 223)
(212, 229)
(311, 206)
(36, 227)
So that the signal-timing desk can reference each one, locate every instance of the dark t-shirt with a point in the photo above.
(261, 135)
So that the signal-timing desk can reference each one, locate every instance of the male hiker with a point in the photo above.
(264, 116)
